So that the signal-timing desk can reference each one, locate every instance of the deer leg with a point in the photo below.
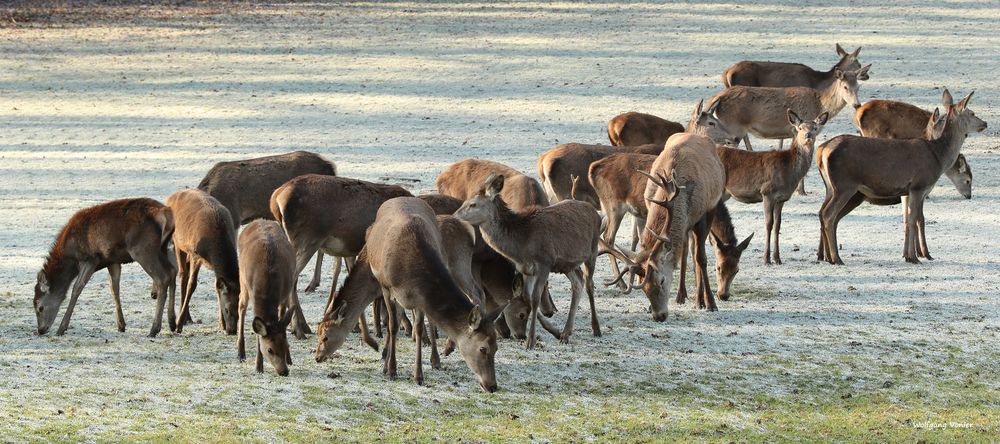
(86, 271)
(157, 265)
(681, 281)
(768, 228)
(218, 295)
(801, 188)
(418, 338)
(615, 216)
(114, 275)
(500, 325)
(914, 209)
(746, 141)
(241, 352)
(924, 253)
(701, 267)
(302, 255)
(314, 283)
(259, 359)
(435, 357)
(777, 230)
(378, 314)
(389, 362)
(547, 306)
(193, 266)
(404, 321)
(781, 144)
(366, 336)
(533, 289)
(181, 259)
(831, 218)
(333, 286)
(576, 287)
(637, 224)
(595, 326)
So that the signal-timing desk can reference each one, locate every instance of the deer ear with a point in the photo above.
(793, 118)
(821, 120)
(839, 74)
(259, 326)
(946, 98)
(746, 243)
(963, 165)
(517, 285)
(856, 52)
(43, 282)
(863, 72)
(840, 50)
(493, 186)
(712, 106)
(715, 240)
(697, 110)
(965, 102)
(475, 317)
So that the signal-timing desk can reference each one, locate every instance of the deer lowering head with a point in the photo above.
(273, 341)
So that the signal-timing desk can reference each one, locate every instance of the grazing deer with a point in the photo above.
(204, 234)
(557, 166)
(784, 75)
(558, 238)
(762, 111)
(897, 120)
(858, 168)
(327, 213)
(684, 204)
(771, 176)
(634, 129)
(267, 280)
(727, 254)
(405, 253)
(106, 236)
(245, 186)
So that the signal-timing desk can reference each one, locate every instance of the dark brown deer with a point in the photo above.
(784, 75)
(558, 238)
(106, 236)
(634, 129)
(727, 254)
(204, 235)
(858, 168)
(267, 279)
(772, 176)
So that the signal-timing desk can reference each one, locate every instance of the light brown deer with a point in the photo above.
(897, 120)
(558, 238)
(106, 236)
(634, 129)
(245, 186)
(686, 184)
(327, 213)
(204, 235)
(267, 279)
(784, 75)
(771, 176)
(762, 111)
(557, 166)
(405, 253)
(858, 168)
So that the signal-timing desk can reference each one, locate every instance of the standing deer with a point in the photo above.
(858, 168)
(106, 236)
(267, 279)
(204, 234)
(784, 75)
(762, 110)
(558, 238)
(245, 186)
(897, 120)
(772, 176)
(329, 213)
(634, 129)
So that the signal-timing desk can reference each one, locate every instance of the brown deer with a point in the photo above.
(897, 120)
(405, 253)
(245, 186)
(784, 75)
(684, 204)
(106, 236)
(557, 166)
(634, 129)
(329, 213)
(772, 176)
(204, 235)
(267, 279)
(858, 168)
(558, 238)
(762, 111)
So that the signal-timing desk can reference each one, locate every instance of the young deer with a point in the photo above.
(244, 187)
(405, 254)
(106, 236)
(858, 168)
(267, 279)
(634, 129)
(559, 238)
(204, 235)
(762, 111)
(784, 75)
(897, 120)
(727, 254)
(329, 213)
(772, 176)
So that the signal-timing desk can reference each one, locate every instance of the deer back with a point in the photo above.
(632, 129)
(267, 267)
(891, 119)
(463, 179)
(614, 178)
(205, 228)
(763, 110)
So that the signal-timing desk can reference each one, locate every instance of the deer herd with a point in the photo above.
(474, 260)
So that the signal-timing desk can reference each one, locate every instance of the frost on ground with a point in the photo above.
(395, 92)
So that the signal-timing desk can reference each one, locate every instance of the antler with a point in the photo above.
(660, 181)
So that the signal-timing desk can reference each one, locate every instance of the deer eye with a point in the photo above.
(324, 338)
(521, 315)
(41, 308)
(483, 350)
(710, 123)
(270, 351)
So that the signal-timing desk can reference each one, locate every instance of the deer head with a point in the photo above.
(478, 345)
(846, 85)
(727, 263)
(272, 340)
(704, 123)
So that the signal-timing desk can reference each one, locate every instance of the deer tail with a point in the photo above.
(165, 219)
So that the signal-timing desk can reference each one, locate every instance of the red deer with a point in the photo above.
(267, 279)
(106, 236)
(784, 75)
(634, 129)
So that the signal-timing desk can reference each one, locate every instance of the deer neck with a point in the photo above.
(503, 232)
(802, 156)
(829, 100)
(947, 147)
(60, 272)
(445, 304)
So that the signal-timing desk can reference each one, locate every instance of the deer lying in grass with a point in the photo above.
(684, 203)
(245, 186)
(558, 238)
(204, 235)
(557, 166)
(772, 176)
(329, 213)
(784, 75)
(106, 236)
(762, 111)
(634, 129)
(897, 120)
(858, 168)
(267, 278)
(406, 257)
